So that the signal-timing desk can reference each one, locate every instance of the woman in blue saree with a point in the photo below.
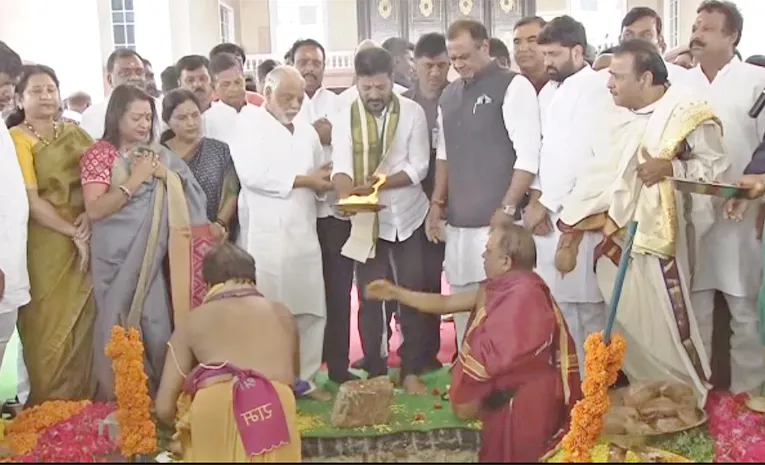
(143, 202)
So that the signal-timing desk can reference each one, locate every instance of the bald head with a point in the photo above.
(284, 89)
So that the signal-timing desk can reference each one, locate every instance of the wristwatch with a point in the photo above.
(509, 210)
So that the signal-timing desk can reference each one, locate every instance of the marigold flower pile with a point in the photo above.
(138, 433)
(25, 430)
(602, 364)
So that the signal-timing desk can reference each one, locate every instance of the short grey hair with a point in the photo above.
(279, 74)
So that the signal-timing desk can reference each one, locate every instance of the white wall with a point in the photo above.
(63, 34)
(153, 32)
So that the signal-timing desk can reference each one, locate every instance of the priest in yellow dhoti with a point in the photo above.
(667, 133)
(229, 370)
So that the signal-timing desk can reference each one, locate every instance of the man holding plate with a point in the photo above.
(382, 134)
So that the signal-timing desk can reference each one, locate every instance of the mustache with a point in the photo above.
(698, 42)
(313, 75)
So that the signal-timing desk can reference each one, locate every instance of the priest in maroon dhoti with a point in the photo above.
(517, 371)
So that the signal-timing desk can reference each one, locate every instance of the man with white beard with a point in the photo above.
(731, 261)
(569, 103)
(670, 132)
(281, 168)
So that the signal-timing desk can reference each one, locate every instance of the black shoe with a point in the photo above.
(359, 364)
(341, 378)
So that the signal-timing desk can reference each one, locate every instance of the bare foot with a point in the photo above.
(414, 386)
(322, 395)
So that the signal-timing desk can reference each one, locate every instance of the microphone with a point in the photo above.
(756, 109)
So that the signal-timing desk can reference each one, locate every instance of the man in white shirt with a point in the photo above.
(14, 215)
(569, 103)
(383, 134)
(526, 51)
(75, 105)
(228, 83)
(731, 254)
(489, 131)
(320, 107)
(124, 66)
(644, 23)
(281, 168)
(194, 75)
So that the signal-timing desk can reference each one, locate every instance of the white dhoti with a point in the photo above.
(290, 272)
(582, 320)
(463, 264)
(645, 317)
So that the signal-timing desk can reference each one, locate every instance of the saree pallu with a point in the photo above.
(56, 327)
(128, 250)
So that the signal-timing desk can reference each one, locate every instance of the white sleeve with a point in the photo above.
(418, 148)
(440, 141)
(520, 111)
(256, 167)
(342, 144)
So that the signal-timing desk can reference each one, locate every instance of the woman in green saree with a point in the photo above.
(56, 327)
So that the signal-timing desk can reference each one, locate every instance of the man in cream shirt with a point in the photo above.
(383, 134)
(730, 254)
(569, 103)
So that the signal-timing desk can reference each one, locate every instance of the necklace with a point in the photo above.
(43, 140)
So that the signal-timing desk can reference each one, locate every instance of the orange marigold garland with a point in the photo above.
(26, 428)
(602, 364)
(138, 433)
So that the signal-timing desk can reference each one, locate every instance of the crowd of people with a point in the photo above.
(519, 185)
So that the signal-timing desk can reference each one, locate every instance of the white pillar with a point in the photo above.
(153, 32)
(61, 34)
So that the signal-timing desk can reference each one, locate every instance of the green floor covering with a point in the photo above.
(405, 410)
(8, 371)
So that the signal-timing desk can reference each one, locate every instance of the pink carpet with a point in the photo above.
(447, 335)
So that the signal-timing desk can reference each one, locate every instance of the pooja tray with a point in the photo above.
(631, 440)
(359, 207)
(716, 189)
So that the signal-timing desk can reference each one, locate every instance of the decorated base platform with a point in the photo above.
(421, 428)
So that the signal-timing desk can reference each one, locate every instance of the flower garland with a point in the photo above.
(138, 433)
(25, 430)
(602, 364)
(739, 432)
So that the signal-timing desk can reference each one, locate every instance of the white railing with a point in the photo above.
(336, 61)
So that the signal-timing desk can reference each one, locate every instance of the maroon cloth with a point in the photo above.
(257, 408)
(518, 344)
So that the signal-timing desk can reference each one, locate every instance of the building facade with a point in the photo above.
(76, 36)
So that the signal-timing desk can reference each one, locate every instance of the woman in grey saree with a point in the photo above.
(143, 204)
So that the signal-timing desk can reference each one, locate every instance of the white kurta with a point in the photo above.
(14, 217)
(731, 253)
(281, 224)
(567, 112)
(732, 247)
(323, 104)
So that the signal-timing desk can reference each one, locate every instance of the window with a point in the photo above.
(307, 15)
(674, 23)
(123, 24)
(226, 23)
